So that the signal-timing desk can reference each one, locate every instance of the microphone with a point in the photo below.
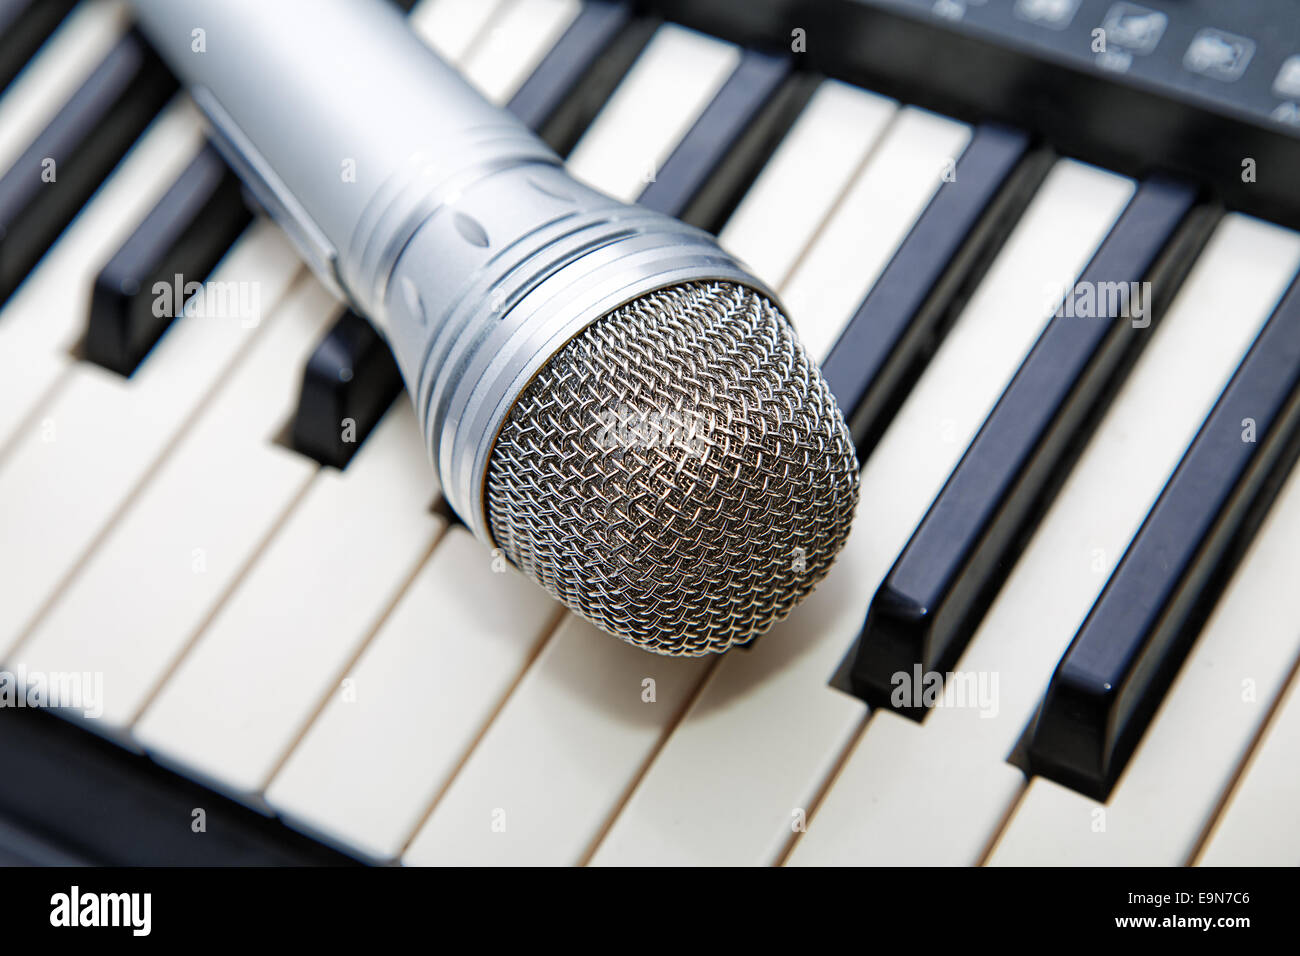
(608, 397)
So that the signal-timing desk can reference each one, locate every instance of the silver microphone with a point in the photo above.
(607, 396)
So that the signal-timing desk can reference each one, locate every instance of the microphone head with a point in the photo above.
(678, 473)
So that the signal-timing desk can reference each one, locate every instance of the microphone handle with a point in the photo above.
(440, 217)
(342, 123)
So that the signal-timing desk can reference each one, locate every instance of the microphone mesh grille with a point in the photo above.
(678, 474)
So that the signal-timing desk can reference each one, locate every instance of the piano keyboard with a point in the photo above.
(1085, 516)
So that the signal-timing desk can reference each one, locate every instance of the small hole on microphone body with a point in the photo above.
(470, 229)
(414, 303)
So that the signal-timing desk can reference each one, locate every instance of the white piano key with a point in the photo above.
(192, 528)
(858, 241)
(452, 26)
(936, 793)
(520, 36)
(557, 759)
(74, 466)
(1202, 733)
(418, 697)
(770, 711)
(672, 81)
(56, 72)
(252, 681)
(43, 320)
(804, 178)
(737, 775)
(1258, 825)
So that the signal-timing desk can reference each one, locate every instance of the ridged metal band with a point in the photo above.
(419, 188)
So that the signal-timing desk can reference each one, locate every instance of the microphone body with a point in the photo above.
(520, 305)
(441, 218)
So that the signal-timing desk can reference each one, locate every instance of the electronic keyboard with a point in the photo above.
(1046, 252)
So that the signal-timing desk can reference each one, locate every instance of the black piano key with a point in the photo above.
(574, 96)
(86, 139)
(1111, 679)
(733, 176)
(350, 376)
(24, 26)
(73, 796)
(885, 345)
(554, 79)
(937, 591)
(711, 137)
(185, 234)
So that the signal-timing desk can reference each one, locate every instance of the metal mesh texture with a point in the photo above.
(679, 473)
